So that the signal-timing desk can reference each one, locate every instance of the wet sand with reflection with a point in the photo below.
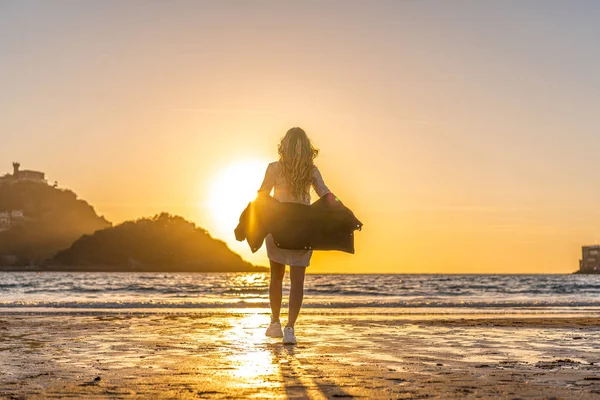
(226, 355)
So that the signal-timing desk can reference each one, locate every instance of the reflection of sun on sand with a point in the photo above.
(265, 362)
(232, 189)
(252, 363)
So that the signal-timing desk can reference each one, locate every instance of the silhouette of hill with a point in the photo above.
(164, 243)
(38, 220)
(46, 228)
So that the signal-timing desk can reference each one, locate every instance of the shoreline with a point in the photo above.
(535, 316)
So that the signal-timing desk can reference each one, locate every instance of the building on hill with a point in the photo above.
(24, 175)
(8, 219)
(590, 260)
(5, 222)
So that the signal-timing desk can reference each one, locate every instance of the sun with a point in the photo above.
(231, 191)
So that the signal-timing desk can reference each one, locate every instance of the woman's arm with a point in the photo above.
(268, 181)
(332, 199)
(321, 188)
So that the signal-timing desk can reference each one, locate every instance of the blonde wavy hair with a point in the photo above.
(296, 157)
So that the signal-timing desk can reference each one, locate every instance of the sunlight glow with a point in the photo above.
(233, 188)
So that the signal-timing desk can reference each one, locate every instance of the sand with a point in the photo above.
(226, 355)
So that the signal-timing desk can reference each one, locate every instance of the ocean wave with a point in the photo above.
(348, 292)
(317, 305)
(181, 290)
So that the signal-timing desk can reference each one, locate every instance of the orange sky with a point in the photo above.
(461, 133)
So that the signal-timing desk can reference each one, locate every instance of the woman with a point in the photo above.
(291, 177)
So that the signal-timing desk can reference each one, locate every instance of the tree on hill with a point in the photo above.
(163, 243)
(53, 219)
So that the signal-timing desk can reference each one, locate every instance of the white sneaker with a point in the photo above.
(288, 336)
(274, 330)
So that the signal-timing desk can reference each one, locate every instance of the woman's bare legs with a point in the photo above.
(296, 293)
(275, 289)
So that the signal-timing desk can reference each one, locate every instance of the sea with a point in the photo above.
(376, 293)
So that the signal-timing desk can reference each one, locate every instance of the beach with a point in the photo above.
(225, 354)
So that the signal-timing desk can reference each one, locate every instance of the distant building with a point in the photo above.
(8, 219)
(27, 175)
(24, 175)
(590, 259)
(4, 221)
(17, 214)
